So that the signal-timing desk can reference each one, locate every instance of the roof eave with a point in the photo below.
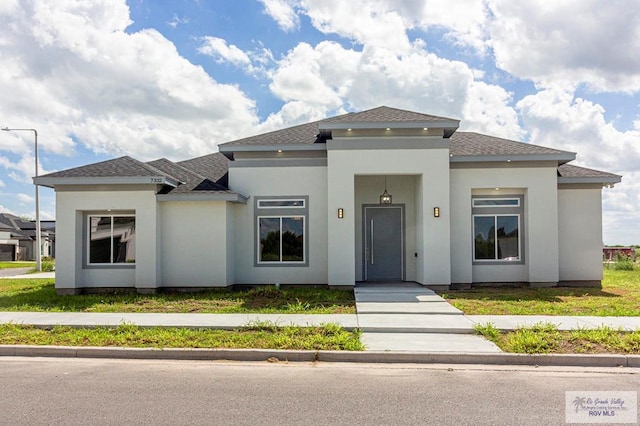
(344, 125)
(231, 197)
(603, 180)
(51, 182)
(230, 149)
(560, 158)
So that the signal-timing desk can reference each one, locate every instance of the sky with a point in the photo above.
(101, 79)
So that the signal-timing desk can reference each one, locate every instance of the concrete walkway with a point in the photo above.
(410, 317)
(21, 273)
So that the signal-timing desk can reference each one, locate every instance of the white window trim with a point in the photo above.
(292, 200)
(495, 259)
(483, 206)
(282, 262)
(88, 254)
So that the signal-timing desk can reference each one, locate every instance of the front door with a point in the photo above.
(383, 243)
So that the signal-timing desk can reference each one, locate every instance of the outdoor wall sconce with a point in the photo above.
(436, 212)
(385, 198)
(341, 213)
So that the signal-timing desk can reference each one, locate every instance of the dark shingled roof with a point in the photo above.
(384, 114)
(214, 167)
(118, 167)
(190, 182)
(303, 134)
(571, 171)
(476, 144)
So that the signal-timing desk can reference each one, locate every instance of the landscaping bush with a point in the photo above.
(624, 263)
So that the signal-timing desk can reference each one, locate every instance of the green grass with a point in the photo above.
(40, 295)
(619, 296)
(545, 338)
(255, 336)
(10, 265)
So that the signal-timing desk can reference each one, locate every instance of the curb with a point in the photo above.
(204, 354)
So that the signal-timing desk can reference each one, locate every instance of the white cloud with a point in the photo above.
(223, 52)
(24, 198)
(72, 70)
(283, 12)
(2, 184)
(371, 22)
(175, 21)
(330, 78)
(577, 41)
(555, 117)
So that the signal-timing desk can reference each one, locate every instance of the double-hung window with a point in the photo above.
(111, 239)
(497, 229)
(281, 231)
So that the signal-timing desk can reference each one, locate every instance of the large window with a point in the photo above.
(111, 239)
(497, 229)
(281, 231)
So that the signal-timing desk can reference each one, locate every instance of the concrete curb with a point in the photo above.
(322, 356)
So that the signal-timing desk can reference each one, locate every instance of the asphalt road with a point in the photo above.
(39, 391)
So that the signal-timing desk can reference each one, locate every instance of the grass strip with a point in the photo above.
(262, 335)
(619, 296)
(545, 338)
(12, 265)
(39, 295)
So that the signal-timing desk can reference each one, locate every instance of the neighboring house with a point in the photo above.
(613, 253)
(8, 246)
(23, 238)
(380, 195)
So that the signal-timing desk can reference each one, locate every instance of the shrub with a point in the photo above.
(48, 266)
(624, 263)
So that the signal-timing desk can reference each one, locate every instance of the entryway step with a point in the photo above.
(397, 297)
(415, 323)
(435, 342)
(422, 308)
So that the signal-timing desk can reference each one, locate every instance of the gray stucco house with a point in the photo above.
(380, 195)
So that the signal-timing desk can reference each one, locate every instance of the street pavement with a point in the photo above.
(64, 391)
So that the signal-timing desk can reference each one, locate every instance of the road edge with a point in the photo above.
(275, 355)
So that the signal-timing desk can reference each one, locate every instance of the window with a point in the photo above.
(281, 239)
(497, 229)
(281, 231)
(286, 204)
(111, 239)
(493, 202)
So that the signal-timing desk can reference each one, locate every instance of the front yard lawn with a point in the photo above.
(619, 296)
(12, 265)
(256, 336)
(40, 295)
(547, 339)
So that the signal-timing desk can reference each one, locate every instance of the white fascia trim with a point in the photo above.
(116, 180)
(445, 124)
(563, 158)
(605, 180)
(233, 198)
(284, 147)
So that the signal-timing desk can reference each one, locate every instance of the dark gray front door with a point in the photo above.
(383, 243)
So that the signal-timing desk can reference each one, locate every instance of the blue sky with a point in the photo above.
(152, 79)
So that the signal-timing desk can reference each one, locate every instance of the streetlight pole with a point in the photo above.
(38, 233)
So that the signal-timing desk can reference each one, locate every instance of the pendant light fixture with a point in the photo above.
(385, 198)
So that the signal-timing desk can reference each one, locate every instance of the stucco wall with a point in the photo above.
(194, 243)
(580, 232)
(432, 234)
(539, 186)
(280, 181)
(71, 205)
